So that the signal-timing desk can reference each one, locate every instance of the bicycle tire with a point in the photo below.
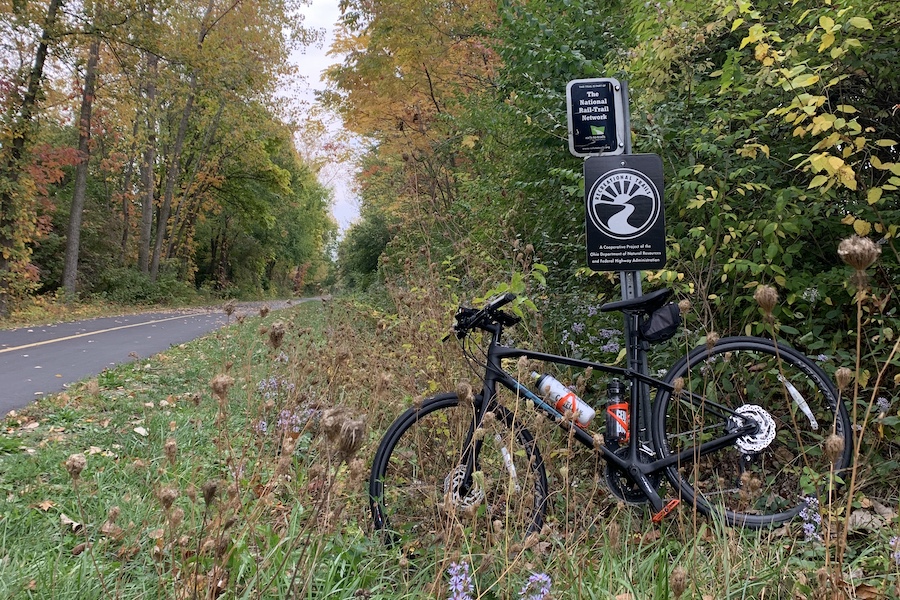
(414, 489)
(762, 479)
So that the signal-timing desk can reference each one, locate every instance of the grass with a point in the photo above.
(236, 467)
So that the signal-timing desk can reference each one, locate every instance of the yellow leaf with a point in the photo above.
(847, 177)
(876, 163)
(848, 220)
(817, 181)
(873, 195)
(886, 142)
(827, 41)
(862, 228)
(827, 23)
(834, 164)
(804, 80)
(737, 23)
(860, 23)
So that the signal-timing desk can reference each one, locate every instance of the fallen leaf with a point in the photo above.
(67, 522)
(864, 520)
(94, 450)
(884, 511)
(46, 505)
(79, 548)
(865, 591)
(625, 596)
(32, 425)
(141, 431)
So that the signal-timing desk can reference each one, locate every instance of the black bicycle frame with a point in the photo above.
(631, 464)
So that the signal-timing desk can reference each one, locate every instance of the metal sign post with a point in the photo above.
(624, 211)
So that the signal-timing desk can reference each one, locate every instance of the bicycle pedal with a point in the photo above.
(668, 508)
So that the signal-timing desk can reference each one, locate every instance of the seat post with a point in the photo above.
(631, 288)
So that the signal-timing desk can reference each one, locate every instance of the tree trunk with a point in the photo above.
(126, 194)
(171, 178)
(73, 238)
(13, 155)
(148, 165)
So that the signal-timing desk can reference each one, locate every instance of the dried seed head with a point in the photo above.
(75, 464)
(859, 252)
(220, 386)
(615, 535)
(229, 307)
(834, 447)
(684, 307)
(357, 469)
(384, 382)
(171, 450)
(209, 491)
(176, 516)
(678, 386)
(766, 297)
(264, 310)
(464, 392)
(276, 334)
(678, 581)
(167, 496)
(333, 420)
(113, 514)
(353, 433)
(843, 376)
(712, 338)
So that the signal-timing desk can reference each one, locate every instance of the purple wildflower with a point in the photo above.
(822, 357)
(811, 519)
(883, 404)
(536, 588)
(895, 545)
(611, 346)
(578, 327)
(460, 582)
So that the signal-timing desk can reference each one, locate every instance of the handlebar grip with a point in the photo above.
(500, 301)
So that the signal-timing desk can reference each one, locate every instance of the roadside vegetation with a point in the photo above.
(236, 467)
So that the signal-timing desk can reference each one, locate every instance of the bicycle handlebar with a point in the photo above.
(467, 319)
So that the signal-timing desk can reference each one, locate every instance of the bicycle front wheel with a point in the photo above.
(422, 492)
(800, 440)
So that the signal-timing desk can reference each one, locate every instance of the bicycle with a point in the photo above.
(738, 428)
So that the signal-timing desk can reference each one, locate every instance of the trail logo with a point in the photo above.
(624, 212)
(624, 204)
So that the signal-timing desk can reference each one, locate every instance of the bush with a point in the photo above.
(127, 286)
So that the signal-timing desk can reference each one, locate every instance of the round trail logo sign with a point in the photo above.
(624, 204)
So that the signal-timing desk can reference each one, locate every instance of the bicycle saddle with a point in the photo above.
(646, 303)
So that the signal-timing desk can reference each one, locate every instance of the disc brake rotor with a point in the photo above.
(452, 485)
(760, 440)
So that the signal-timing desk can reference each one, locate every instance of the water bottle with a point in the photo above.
(564, 398)
(616, 413)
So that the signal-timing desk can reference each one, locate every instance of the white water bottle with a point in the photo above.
(564, 399)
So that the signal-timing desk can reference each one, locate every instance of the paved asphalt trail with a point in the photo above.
(42, 360)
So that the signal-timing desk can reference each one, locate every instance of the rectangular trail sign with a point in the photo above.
(596, 117)
(624, 216)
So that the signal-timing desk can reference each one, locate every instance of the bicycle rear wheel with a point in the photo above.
(419, 490)
(763, 478)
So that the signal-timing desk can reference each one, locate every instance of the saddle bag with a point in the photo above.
(661, 324)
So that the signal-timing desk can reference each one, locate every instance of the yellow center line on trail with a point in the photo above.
(89, 333)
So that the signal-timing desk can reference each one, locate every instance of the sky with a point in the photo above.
(323, 14)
